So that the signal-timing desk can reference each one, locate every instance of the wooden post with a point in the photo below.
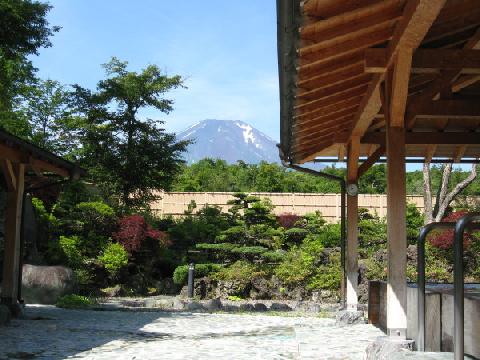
(352, 227)
(14, 176)
(395, 100)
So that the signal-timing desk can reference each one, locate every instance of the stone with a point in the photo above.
(231, 308)
(165, 304)
(213, 304)
(195, 306)
(247, 307)
(178, 304)
(385, 348)
(280, 307)
(346, 317)
(45, 284)
(226, 288)
(5, 315)
(260, 307)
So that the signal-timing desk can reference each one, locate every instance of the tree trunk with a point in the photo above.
(427, 194)
(444, 198)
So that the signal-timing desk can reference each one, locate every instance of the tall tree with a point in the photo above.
(24, 29)
(127, 156)
(446, 192)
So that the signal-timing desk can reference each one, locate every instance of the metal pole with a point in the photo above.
(421, 279)
(191, 275)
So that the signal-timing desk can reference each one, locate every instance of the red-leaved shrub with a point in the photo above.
(133, 230)
(444, 239)
(287, 220)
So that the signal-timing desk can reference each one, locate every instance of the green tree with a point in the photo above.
(24, 29)
(126, 156)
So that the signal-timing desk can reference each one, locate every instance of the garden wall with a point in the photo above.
(176, 203)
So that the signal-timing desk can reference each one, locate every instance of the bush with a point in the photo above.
(274, 256)
(296, 266)
(329, 236)
(327, 277)
(180, 275)
(287, 220)
(222, 247)
(296, 235)
(249, 250)
(133, 230)
(70, 247)
(443, 239)
(74, 302)
(240, 270)
(114, 257)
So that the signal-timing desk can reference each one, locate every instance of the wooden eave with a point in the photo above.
(14, 151)
(334, 56)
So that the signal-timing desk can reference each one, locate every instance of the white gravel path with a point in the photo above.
(82, 334)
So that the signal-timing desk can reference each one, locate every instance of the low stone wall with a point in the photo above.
(438, 317)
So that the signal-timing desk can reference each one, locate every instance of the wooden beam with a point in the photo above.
(326, 9)
(13, 215)
(427, 138)
(48, 167)
(341, 152)
(449, 109)
(428, 60)
(459, 152)
(323, 68)
(399, 88)
(353, 155)
(430, 153)
(328, 105)
(321, 125)
(417, 18)
(9, 174)
(372, 159)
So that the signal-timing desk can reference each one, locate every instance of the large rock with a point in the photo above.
(226, 288)
(386, 348)
(45, 284)
(347, 317)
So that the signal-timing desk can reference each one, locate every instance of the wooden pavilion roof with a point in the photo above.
(334, 57)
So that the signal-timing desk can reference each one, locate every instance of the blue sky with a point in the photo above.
(226, 50)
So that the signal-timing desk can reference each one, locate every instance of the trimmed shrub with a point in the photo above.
(249, 250)
(113, 258)
(70, 246)
(223, 247)
(240, 270)
(274, 256)
(287, 220)
(443, 239)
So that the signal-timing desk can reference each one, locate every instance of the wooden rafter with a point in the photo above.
(433, 138)
(416, 21)
(371, 160)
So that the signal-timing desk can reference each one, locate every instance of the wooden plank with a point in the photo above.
(306, 140)
(48, 167)
(323, 68)
(325, 106)
(359, 80)
(328, 8)
(330, 49)
(300, 130)
(341, 152)
(332, 78)
(417, 19)
(352, 21)
(429, 60)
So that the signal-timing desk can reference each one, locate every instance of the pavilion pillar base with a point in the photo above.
(384, 347)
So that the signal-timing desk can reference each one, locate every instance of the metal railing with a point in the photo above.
(458, 282)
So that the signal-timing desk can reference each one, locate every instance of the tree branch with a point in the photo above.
(456, 190)
(427, 194)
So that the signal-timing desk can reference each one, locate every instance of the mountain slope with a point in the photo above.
(230, 140)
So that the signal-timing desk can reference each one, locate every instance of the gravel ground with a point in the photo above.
(52, 333)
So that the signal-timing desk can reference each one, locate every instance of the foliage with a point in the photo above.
(443, 239)
(287, 220)
(372, 232)
(113, 258)
(234, 298)
(240, 270)
(70, 247)
(328, 236)
(180, 275)
(414, 223)
(327, 276)
(74, 302)
(133, 230)
(217, 175)
(222, 247)
(274, 256)
(117, 143)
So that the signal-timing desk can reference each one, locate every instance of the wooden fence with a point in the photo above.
(176, 203)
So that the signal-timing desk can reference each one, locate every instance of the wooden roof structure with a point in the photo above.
(336, 56)
(14, 150)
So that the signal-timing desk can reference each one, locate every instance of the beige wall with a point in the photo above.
(175, 203)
